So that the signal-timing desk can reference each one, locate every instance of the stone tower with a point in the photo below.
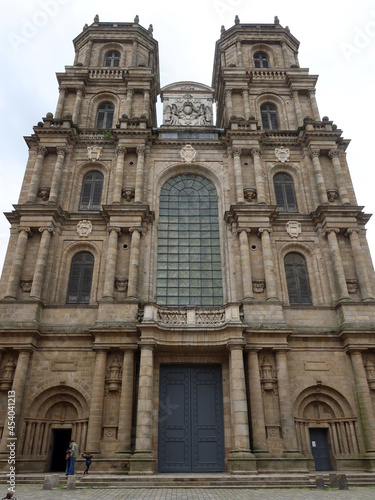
(194, 297)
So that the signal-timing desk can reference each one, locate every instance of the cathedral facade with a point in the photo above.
(193, 297)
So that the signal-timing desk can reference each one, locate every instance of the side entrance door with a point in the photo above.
(191, 433)
(320, 448)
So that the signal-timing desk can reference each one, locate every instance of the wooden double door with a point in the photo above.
(191, 432)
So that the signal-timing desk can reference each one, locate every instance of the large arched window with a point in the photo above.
(261, 60)
(80, 278)
(112, 59)
(189, 262)
(284, 193)
(297, 279)
(104, 115)
(91, 194)
(269, 116)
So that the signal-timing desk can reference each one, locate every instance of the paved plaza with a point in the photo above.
(33, 492)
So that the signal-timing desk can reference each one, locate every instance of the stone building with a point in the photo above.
(193, 297)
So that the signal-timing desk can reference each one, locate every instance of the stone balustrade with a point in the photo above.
(191, 316)
(107, 73)
(267, 74)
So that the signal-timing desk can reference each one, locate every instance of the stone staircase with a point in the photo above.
(258, 481)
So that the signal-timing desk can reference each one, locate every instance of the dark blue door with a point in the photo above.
(191, 436)
(320, 448)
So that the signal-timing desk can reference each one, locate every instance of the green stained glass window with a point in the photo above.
(188, 242)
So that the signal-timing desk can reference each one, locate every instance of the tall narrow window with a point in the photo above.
(112, 59)
(270, 120)
(104, 116)
(91, 195)
(189, 262)
(284, 193)
(80, 278)
(261, 60)
(297, 279)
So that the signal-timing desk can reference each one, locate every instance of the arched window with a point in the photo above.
(284, 193)
(189, 262)
(268, 113)
(297, 279)
(91, 194)
(80, 278)
(112, 59)
(261, 60)
(104, 116)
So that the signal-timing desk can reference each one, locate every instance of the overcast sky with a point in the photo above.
(337, 42)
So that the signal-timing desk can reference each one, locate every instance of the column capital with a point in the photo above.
(48, 229)
(101, 349)
(61, 150)
(147, 344)
(42, 150)
(139, 229)
(25, 229)
(121, 150)
(236, 153)
(63, 89)
(114, 228)
(141, 151)
(233, 345)
(256, 152)
(334, 153)
(246, 229)
(311, 92)
(314, 152)
(262, 230)
(294, 92)
(228, 91)
(80, 89)
(281, 349)
(331, 230)
(351, 230)
(129, 92)
(251, 349)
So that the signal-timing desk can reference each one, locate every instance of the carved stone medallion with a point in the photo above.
(84, 228)
(282, 154)
(293, 228)
(94, 152)
(188, 153)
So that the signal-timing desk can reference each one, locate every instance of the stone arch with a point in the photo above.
(269, 97)
(312, 267)
(295, 172)
(107, 47)
(77, 180)
(98, 99)
(262, 47)
(68, 253)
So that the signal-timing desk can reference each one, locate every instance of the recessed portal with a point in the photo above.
(60, 443)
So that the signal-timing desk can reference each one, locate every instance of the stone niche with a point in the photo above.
(187, 104)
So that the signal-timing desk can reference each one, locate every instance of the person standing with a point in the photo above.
(88, 459)
(73, 457)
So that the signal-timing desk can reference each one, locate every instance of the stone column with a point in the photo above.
(134, 53)
(228, 104)
(138, 196)
(257, 419)
(19, 255)
(338, 267)
(240, 454)
(334, 154)
(314, 106)
(259, 179)
(246, 103)
(142, 460)
(94, 431)
(41, 261)
(124, 432)
(366, 409)
(146, 103)
(285, 55)
(285, 402)
(360, 264)
(314, 153)
(269, 267)
(238, 175)
(35, 178)
(247, 281)
(77, 104)
(57, 173)
(134, 261)
(18, 388)
(129, 103)
(110, 268)
(297, 107)
(239, 54)
(88, 53)
(60, 103)
(119, 175)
